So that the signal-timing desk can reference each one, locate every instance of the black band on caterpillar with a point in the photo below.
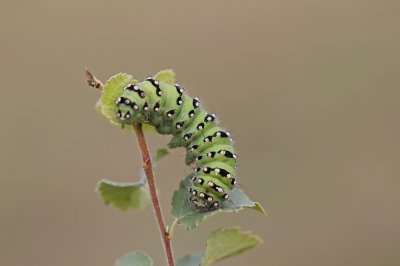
(156, 107)
(178, 89)
(191, 114)
(170, 113)
(209, 148)
(179, 100)
(136, 89)
(209, 118)
(179, 124)
(156, 84)
(196, 102)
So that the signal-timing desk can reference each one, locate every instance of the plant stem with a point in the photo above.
(153, 192)
(92, 81)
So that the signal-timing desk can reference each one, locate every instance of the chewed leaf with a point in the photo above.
(111, 90)
(124, 195)
(227, 242)
(167, 76)
(190, 217)
(137, 258)
(190, 260)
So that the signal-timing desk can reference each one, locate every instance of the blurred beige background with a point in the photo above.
(310, 90)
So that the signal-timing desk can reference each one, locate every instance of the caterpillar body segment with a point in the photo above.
(208, 147)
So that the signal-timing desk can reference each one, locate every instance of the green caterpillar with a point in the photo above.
(208, 147)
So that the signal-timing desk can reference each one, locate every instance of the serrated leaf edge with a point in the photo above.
(246, 234)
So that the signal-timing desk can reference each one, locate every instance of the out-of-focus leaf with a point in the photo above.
(258, 207)
(189, 260)
(124, 195)
(167, 76)
(190, 217)
(227, 242)
(160, 153)
(137, 258)
(98, 106)
(149, 128)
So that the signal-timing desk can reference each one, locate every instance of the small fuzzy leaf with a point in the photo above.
(190, 260)
(167, 76)
(110, 113)
(124, 195)
(137, 258)
(190, 217)
(227, 242)
(114, 88)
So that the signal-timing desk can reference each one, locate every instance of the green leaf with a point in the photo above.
(257, 206)
(167, 76)
(114, 88)
(148, 128)
(227, 242)
(124, 195)
(137, 258)
(189, 260)
(190, 217)
(111, 91)
(160, 153)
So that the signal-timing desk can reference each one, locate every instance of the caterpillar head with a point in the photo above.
(125, 110)
(124, 114)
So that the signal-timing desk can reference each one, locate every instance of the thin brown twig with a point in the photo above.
(148, 169)
(92, 81)
(153, 192)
